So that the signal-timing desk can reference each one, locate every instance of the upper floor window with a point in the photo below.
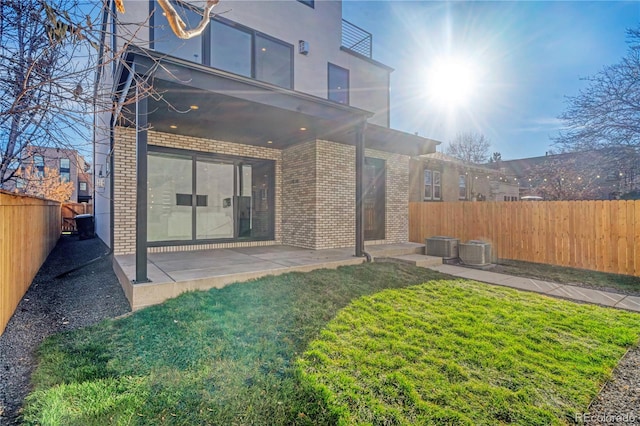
(432, 187)
(338, 84)
(462, 187)
(231, 48)
(245, 52)
(65, 171)
(164, 40)
(273, 61)
(38, 161)
(310, 3)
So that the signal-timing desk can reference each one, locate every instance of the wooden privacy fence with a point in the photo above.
(70, 211)
(597, 235)
(29, 229)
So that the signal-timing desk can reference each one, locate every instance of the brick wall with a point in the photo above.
(336, 194)
(125, 182)
(314, 193)
(299, 195)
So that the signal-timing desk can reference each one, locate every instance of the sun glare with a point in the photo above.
(451, 81)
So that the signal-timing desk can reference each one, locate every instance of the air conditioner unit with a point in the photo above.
(475, 252)
(445, 247)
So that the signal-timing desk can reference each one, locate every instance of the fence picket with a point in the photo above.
(596, 235)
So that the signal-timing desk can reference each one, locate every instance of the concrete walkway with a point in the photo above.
(605, 298)
(572, 292)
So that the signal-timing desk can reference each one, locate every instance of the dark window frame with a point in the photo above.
(236, 161)
(310, 3)
(206, 36)
(330, 91)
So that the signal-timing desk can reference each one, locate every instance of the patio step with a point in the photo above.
(392, 250)
(416, 260)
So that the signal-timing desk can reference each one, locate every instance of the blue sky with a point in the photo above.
(528, 57)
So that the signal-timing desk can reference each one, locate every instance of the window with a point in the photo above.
(245, 52)
(65, 175)
(462, 187)
(432, 187)
(195, 197)
(83, 186)
(230, 48)
(310, 3)
(164, 40)
(273, 62)
(338, 84)
(20, 183)
(38, 161)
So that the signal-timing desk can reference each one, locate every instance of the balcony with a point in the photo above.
(356, 39)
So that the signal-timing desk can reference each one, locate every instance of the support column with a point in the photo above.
(360, 143)
(141, 186)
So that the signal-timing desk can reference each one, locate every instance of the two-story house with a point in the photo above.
(271, 128)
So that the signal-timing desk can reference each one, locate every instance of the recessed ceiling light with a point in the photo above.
(269, 141)
(303, 128)
(264, 49)
(194, 107)
(173, 126)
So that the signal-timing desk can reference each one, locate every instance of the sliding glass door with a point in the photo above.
(195, 197)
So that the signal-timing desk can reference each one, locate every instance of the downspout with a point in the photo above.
(360, 147)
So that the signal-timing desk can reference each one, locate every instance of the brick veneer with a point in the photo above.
(125, 182)
(314, 193)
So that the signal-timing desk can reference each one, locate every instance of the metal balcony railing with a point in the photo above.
(356, 39)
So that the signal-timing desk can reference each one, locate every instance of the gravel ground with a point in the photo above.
(93, 293)
(82, 298)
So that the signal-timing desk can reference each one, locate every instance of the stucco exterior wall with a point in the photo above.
(291, 21)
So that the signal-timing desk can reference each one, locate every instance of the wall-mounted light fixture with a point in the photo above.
(303, 47)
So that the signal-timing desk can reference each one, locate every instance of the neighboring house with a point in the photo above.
(439, 177)
(265, 127)
(602, 174)
(68, 162)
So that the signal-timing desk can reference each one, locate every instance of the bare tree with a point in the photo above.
(50, 54)
(40, 85)
(607, 112)
(469, 147)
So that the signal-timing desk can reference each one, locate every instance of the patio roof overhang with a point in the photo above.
(155, 91)
(243, 110)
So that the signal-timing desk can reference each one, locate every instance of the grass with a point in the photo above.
(460, 352)
(219, 357)
(230, 356)
(563, 275)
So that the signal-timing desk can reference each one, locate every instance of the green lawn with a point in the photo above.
(235, 355)
(461, 352)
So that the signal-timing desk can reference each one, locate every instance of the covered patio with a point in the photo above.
(173, 273)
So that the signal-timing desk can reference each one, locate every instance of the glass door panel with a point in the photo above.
(214, 200)
(169, 211)
(244, 201)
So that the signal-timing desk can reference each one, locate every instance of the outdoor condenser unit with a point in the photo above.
(475, 252)
(445, 247)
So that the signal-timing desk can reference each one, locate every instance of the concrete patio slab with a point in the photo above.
(173, 273)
